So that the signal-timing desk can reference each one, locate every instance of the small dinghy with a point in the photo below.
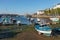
(55, 31)
(7, 32)
(44, 29)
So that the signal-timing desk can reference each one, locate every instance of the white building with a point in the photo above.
(40, 12)
(56, 6)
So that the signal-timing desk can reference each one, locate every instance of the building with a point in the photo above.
(56, 6)
(40, 12)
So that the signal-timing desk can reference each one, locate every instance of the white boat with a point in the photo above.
(54, 19)
(45, 30)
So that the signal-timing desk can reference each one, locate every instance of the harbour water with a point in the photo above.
(23, 19)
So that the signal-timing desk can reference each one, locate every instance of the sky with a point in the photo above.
(25, 6)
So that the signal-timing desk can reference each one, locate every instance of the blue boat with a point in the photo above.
(55, 31)
(7, 33)
(46, 30)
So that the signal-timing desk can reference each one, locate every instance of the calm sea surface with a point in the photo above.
(23, 19)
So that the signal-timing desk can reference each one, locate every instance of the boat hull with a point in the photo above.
(7, 34)
(44, 31)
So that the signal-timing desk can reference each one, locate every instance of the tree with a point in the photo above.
(58, 11)
(47, 11)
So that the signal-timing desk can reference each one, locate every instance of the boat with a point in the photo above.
(44, 29)
(55, 31)
(7, 32)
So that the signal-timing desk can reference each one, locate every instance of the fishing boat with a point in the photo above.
(7, 32)
(55, 31)
(54, 20)
(44, 29)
